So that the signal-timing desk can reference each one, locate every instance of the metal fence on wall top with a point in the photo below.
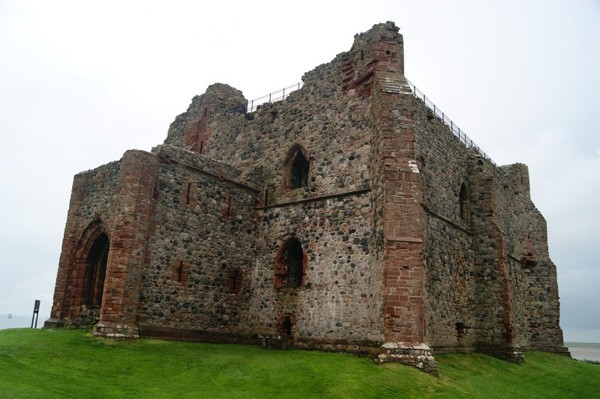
(273, 97)
(286, 91)
(453, 127)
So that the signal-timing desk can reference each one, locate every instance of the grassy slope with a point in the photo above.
(47, 364)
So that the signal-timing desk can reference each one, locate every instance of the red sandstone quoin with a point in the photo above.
(347, 217)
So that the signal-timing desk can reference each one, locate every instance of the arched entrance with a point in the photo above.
(96, 271)
(87, 273)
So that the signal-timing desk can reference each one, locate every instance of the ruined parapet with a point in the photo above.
(192, 130)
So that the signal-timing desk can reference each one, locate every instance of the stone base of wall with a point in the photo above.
(511, 353)
(54, 323)
(418, 356)
(360, 348)
(559, 350)
(115, 330)
(183, 334)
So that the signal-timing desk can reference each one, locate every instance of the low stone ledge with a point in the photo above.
(54, 323)
(417, 355)
(355, 347)
(559, 350)
(275, 341)
(511, 353)
(115, 330)
(184, 334)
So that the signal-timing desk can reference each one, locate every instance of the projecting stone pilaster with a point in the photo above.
(404, 299)
(134, 209)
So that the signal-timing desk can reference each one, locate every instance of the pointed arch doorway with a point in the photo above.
(96, 271)
(86, 280)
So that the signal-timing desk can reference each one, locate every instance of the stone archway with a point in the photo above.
(88, 272)
(96, 271)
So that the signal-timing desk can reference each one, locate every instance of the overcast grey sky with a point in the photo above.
(81, 82)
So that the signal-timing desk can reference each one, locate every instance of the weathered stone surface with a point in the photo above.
(347, 217)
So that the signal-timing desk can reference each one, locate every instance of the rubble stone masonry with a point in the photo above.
(346, 217)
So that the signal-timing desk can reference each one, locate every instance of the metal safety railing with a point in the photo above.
(457, 131)
(448, 122)
(273, 97)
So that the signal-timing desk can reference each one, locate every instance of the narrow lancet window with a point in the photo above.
(297, 168)
(96, 272)
(463, 203)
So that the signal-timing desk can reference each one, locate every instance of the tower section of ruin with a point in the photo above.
(105, 246)
(483, 238)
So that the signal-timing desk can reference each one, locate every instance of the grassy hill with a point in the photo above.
(72, 364)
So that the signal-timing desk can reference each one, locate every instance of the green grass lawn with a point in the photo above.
(72, 364)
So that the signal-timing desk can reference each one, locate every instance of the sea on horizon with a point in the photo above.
(584, 350)
(6, 321)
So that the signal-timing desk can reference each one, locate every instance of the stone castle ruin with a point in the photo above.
(347, 217)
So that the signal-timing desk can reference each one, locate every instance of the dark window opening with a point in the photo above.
(96, 271)
(286, 327)
(201, 147)
(528, 263)
(228, 207)
(180, 272)
(235, 278)
(299, 170)
(463, 203)
(290, 265)
(188, 193)
(461, 331)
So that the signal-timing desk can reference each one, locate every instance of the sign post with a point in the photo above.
(36, 311)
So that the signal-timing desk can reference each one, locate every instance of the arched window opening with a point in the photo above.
(290, 265)
(96, 271)
(463, 203)
(297, 168)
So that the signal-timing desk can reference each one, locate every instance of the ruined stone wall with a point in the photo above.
(340, 296)
(111, 205)
(90, 209)
(202, 250)
(330, 124)
(339, 301)
(450, 259)
(398, 234)
(533, 275)
(481, 293)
